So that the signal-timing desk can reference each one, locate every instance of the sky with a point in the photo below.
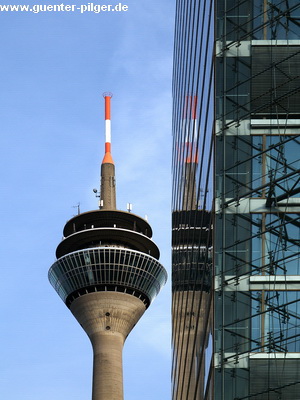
(54, 68)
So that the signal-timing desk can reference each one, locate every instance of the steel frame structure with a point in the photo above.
(252, 307)
(257, 153)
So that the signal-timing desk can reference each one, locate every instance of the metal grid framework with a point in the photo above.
(257, 268)
(110, 267)
(254, 110)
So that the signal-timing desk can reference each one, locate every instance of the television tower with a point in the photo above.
(107, 273)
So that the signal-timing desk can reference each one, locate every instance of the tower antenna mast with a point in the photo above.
(108, 180)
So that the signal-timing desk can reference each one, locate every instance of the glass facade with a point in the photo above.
(250, 332)
(193, 85)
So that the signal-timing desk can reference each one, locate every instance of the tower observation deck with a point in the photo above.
(107, 272)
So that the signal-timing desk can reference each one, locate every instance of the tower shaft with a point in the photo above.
(108, 187)
(107, 367)
(107, 318)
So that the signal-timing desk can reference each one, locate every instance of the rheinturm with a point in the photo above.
(107, 273)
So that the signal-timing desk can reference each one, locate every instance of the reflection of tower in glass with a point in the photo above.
(191, 283)
(107, 273)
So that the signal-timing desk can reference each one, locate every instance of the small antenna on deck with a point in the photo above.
(78, 208)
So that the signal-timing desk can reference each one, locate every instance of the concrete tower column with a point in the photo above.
(107, 367)
(107, 318)
(108, 186)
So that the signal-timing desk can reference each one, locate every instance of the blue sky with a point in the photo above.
(53, 70)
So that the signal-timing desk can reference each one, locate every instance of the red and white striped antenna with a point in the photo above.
(190, 124)
(107, 156)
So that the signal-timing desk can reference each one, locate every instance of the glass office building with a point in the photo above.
(236, 201)
(193, 125)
